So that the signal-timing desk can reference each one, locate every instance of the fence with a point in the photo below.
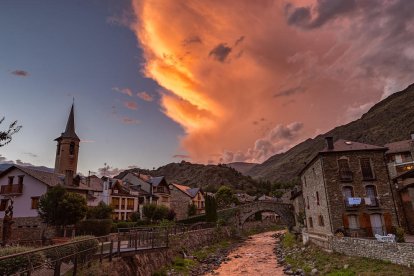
(69, 258)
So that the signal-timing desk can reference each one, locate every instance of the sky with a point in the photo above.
(159, 81)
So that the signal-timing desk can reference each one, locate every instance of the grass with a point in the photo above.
(332, 264)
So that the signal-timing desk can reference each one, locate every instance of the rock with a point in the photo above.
(289, 272)
(314, 271)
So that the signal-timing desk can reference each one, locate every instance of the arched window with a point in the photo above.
(72, 148)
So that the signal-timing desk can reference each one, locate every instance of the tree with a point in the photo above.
(6, 135)
(155, 212)
(192, 209)
(102, 211)
(225, 197)
(211, 208)
(149, 210)
(60, 208)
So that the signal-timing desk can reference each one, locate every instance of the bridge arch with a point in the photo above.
(284, 210)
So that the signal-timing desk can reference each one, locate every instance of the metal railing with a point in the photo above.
(69, 258)
(364, 232)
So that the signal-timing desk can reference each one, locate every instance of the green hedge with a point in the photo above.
(19, 263)
(95, 227)
(194, 219)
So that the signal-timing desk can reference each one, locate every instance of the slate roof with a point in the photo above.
(400, 146)
(49, 178)
(344, 145)
(155, 181)
(191, 192)
(70, 127)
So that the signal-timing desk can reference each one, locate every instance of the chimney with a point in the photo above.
(329, 142)
(69, 178)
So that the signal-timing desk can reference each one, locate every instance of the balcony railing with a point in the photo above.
(14, 189)
(365, 232)
(346, 176)
(371, 203)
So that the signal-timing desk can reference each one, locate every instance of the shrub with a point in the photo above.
(399, 234)
(96, 227)
(63, 253)
(102, 211)
(192, 209)
(19, 263)
(288, 240)
(194, 219)
(87, 247)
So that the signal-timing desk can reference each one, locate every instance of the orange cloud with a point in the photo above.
(131, 105)
(225, 64)
(145, 96)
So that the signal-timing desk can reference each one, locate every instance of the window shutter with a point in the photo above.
(365, 223)
(388, 222)
(345, 220)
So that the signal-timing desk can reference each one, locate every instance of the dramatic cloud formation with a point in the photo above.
(145, 96)
(131, 105)
(20, 73)
(225, 64)
(126, 91)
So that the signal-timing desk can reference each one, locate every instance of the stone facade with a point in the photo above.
(179, 203)
(405, 184)
(398, 253)
(318, 219)
(29, 230)
(326, 206)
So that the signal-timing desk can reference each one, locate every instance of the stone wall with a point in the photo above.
(147, 262)
(313, 187)
(179, 203)
(29, 230)
(399, 253)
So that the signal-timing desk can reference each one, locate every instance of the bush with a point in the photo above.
(102, 211)
(96, 227)
(288, 240)
(63, 253)
(19, 263)
(192, 209)
(399, 234)
(194, 219)
(85, 248)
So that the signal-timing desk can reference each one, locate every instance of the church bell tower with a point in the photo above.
(67, 150)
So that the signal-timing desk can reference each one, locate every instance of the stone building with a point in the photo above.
(404, 182)
(183, 196)
(346, 187)
(296, 198)
(400, 156)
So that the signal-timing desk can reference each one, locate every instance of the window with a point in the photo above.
(366, 169)
(345, 173)
(72, 148)
(21, 179)
(353, 222)
(35, 202)
(320, 220)
(348, 192)
(130, 204)
(115, 202)
(310, 222)
(3, 204)
(317, 198)
(11, 180)
(371, 192)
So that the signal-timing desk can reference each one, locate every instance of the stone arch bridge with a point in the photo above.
(239, 214)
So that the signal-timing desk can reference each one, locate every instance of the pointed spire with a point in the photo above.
(70, 126)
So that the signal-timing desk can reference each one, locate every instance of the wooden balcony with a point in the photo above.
(15, 189)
